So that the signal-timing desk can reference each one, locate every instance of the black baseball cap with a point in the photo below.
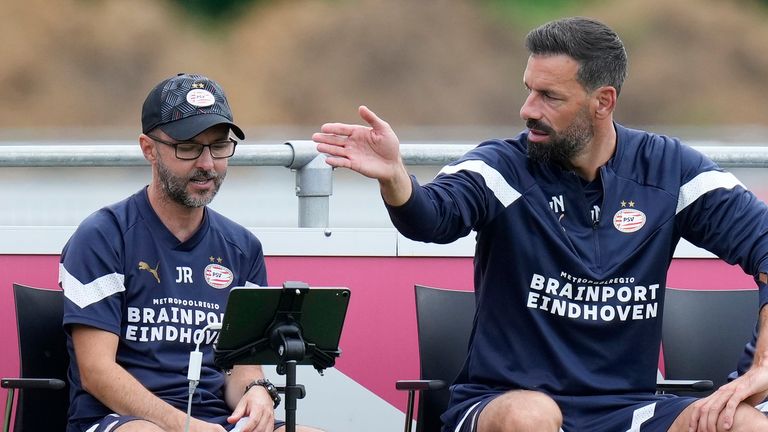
(186, 105)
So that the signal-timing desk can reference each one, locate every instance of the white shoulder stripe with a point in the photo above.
(505, 193)
(703, 183)
(99, 289)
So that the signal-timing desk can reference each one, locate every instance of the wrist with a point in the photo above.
(396, 190)
(266, 385)
(173, 421)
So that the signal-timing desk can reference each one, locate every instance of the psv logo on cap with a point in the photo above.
(200, 98)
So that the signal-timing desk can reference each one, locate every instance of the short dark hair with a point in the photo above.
(598, 49)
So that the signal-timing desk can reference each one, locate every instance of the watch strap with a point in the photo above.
(268, 386)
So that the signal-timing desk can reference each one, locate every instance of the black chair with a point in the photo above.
(444, 321)
(704, 333)
(42, 400)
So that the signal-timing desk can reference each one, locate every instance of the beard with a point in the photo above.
(562, 146)
(175, 187)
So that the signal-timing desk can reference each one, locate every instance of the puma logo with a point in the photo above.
(145, 266)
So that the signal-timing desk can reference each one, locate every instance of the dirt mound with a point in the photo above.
(88, 64)
(693, 62)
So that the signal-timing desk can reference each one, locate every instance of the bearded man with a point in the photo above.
(577, 219)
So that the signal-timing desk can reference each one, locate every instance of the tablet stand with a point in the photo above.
(284, 336)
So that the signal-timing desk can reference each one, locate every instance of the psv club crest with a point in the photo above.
(218, 276)
(628, 219)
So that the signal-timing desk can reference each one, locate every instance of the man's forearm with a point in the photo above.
(123, 394)
(761, 352)
(241, 376)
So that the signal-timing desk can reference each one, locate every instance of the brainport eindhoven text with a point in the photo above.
(593, 300)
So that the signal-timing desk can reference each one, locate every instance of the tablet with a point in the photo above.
(252, 312)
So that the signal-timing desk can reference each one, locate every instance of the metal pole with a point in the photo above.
(291, 396)
(314, 184)
(295, 154)
(409, 412)
(8, 409)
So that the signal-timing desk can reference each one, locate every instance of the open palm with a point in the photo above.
(373, 151)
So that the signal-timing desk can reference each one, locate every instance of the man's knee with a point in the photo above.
(747, 418)
(521, 410)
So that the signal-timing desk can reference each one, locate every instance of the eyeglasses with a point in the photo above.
(190, 150)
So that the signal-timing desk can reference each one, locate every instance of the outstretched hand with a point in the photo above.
(372, 151)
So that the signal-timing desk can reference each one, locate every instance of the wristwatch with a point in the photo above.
(268, 386)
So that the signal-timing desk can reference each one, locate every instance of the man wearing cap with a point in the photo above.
(145, 278)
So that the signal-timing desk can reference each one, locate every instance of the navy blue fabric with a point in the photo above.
(124, 272)
(109, 423)
(113, 421)
(565, 305)
(603, 413)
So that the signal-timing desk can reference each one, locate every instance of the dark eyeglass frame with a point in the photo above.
(202, 147)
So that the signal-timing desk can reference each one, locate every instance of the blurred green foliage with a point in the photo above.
(536, 12)
(215, 11)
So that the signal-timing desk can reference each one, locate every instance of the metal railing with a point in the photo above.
(314, 180)
(294, 154)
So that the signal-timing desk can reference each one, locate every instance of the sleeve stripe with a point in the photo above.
(505, 193)
(99, 289)
(703, 183)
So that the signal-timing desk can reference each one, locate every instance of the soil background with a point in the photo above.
(435, 69)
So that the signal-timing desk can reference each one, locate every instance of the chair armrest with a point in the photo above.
(664, 385)
(22, 384)
(419, 385)
(412, 386)
(32, 383)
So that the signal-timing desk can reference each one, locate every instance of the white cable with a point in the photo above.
(195, 365)
(192, 387)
